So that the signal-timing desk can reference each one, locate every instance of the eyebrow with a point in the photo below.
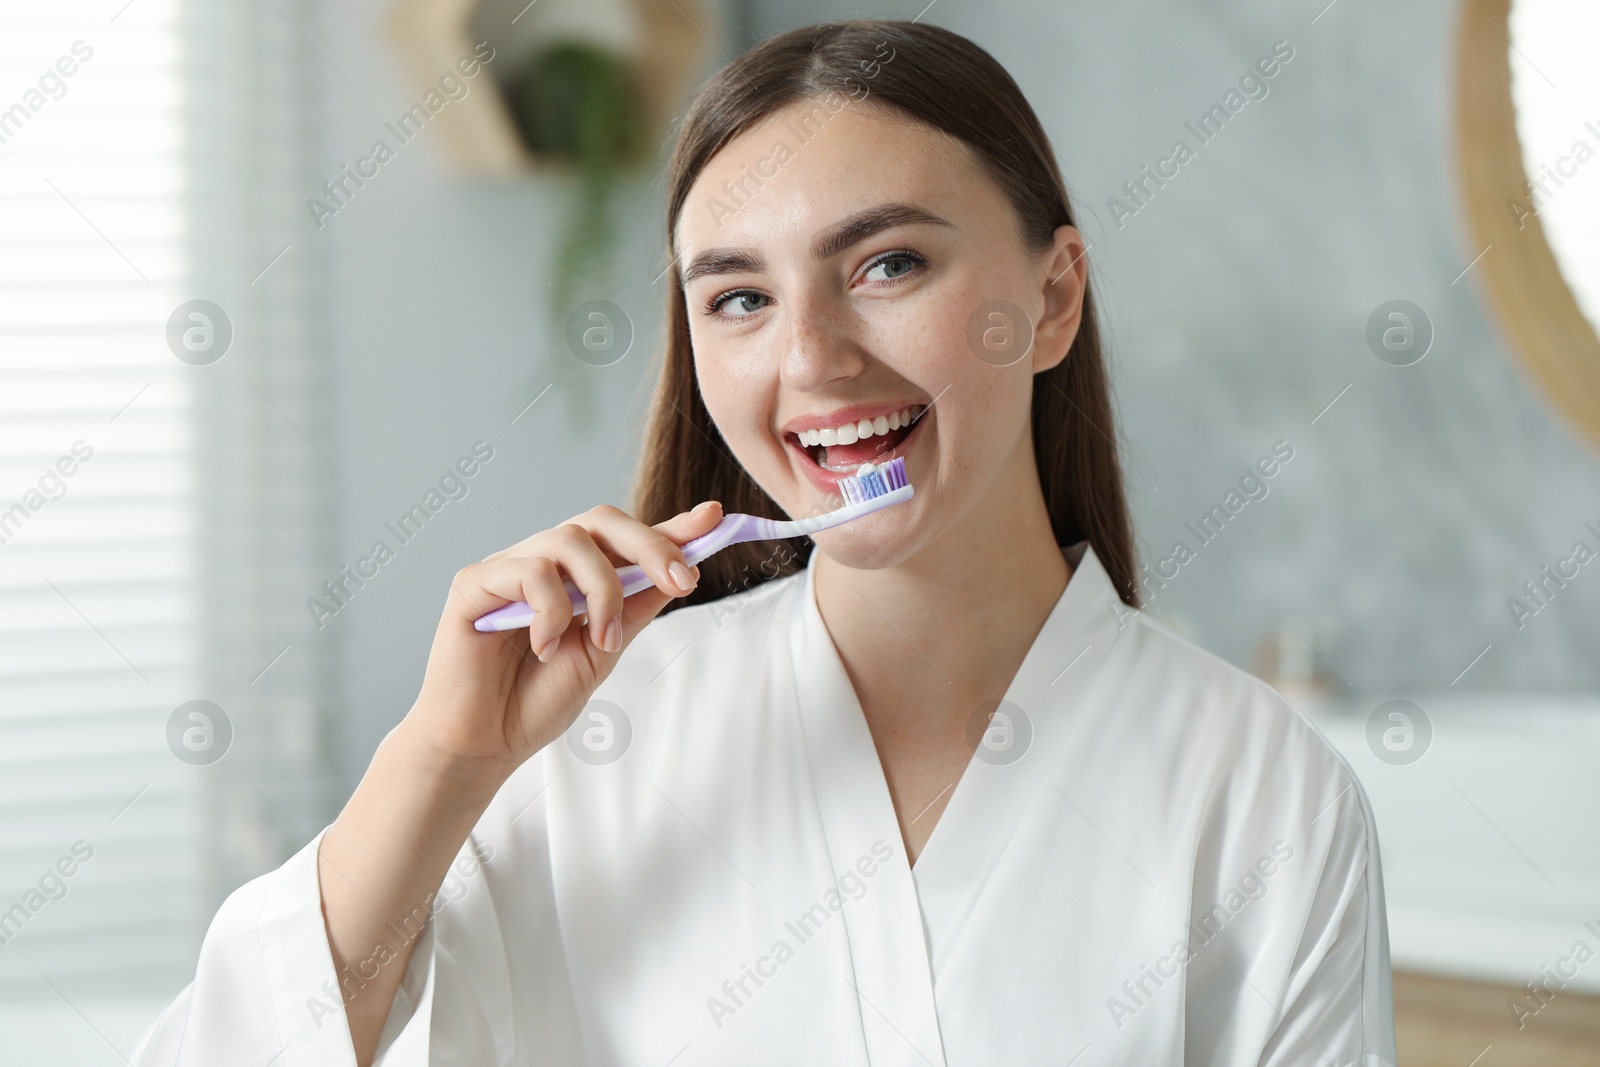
(830, 242)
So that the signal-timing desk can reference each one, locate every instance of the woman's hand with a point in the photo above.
(488, 702)
(491, 700)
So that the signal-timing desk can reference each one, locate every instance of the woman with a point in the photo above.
(929, 791)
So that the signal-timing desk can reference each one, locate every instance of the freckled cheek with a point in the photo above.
(981, 413)
(927, 343)
(738, 394)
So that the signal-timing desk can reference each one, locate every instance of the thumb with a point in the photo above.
(682, 528)
(686, 526)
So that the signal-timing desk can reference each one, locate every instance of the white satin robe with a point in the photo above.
(1177, 869)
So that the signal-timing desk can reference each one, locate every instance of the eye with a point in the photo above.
(905, 260)
(747, 302)
(740, 297)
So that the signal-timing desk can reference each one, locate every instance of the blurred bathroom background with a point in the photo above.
(240, 344)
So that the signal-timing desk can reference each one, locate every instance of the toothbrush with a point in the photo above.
(868, 490)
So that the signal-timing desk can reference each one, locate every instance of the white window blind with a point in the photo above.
(160, 519)
(99, 614)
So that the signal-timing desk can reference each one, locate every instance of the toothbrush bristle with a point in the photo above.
(871, 481)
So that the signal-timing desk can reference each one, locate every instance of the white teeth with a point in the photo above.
(859, 431)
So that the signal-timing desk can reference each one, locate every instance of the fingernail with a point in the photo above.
(698, 508)
(613, 635)
(680, 576)
(548, 650)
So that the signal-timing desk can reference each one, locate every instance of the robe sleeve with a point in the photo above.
(265, 988)
(1337, 1006)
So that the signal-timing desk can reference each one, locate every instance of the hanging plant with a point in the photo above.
(575, 104)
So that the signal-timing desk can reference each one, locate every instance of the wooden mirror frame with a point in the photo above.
(1535, 307)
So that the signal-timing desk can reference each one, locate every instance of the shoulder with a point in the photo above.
(1282, 852)
(1232, 750)
(1221, 712)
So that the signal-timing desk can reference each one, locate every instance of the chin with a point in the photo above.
(873, 542)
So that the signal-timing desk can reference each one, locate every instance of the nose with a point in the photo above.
(820, 344)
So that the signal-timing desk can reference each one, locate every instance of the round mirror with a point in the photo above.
(1528, 133)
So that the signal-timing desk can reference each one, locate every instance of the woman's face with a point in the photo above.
(841, 276)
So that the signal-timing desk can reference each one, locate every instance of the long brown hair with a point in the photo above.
(949, 83)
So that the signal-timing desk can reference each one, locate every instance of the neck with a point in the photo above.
(949, 626)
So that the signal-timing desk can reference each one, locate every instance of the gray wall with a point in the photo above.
(1404, 520)
(443, 338)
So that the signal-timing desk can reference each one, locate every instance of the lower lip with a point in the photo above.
(828, 481)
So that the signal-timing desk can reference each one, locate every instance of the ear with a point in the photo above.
(1063, 278)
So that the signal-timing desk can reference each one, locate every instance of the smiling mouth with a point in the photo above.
(843, 458)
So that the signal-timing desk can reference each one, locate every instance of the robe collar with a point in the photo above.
(909, 922)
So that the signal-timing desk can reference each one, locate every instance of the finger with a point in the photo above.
(641, 608)
(528, 546)
(646, 604)
(657, 549)
(596, 578)
(531, 546)
(546, 593)
(537, 580)
(685, 527)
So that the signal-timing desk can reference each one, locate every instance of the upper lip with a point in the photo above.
(840, 416)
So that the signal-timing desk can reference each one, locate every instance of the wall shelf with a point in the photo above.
(665, 43)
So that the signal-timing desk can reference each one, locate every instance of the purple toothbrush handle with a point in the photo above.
(733, 528)
(516, 615)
